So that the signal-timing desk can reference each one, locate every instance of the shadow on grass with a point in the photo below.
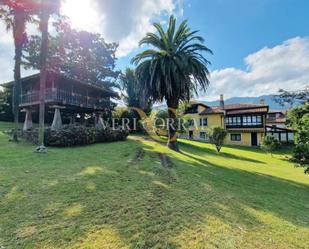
(203, 150)
(145, 204)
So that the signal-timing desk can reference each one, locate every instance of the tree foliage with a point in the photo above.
(290, 98)
(301, 156)
(6, 113)
(298, 120)
(132, 94)
(16, 14)
(78, 54)
(217, 137)
(270, 144)
(174, 67)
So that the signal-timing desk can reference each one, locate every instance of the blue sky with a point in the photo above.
(235, 28)
(259, 45)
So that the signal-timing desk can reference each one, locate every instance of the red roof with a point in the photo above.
(276, 121)
(240, 108)
(284, 112)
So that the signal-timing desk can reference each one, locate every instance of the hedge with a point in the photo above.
(74, 135)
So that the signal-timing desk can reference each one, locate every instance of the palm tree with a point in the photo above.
(15, 16)
(173, 69)
(129, 86)
(133, 95)
(47, 8)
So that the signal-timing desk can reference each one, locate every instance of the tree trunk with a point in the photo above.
(172, 124)
(43, 74)
(18, 34)
(16, 92)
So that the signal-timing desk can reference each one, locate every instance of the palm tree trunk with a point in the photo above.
(16, 90)
(18, 35)
(43, 75)
(172, 125)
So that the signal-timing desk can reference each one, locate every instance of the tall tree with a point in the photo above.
(46, 9)
(133, 95)
(78, 54)
(15, 14)
(173, 68)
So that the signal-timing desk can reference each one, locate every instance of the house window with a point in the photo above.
(202, 135)
(238, 120)
(203, 122)
(247, 120)
(235, 137)
(259, 119)
(233, 120)
(191, 122)
(252, 120)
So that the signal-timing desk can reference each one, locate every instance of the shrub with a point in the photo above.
(301, 156)
(270, 143)
(130, 118)
(73, 135)
(160, 119)
(217, 136)
(298, 120)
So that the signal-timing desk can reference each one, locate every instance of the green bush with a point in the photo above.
(270, 143)
(301, 156)
(129, 117)
(217, 137)
(74, 135)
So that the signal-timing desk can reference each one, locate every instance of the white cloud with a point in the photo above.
(284, 66)
(128, 21)
(7, 53)
(125, 22)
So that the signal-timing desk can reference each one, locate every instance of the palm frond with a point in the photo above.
(171, 28)
(176, 68)
(162, 34)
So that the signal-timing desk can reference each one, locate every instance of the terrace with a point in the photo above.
(63, 97)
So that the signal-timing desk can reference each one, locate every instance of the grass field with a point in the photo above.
(120, 195)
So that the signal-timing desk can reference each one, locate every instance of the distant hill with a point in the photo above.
(254, 100)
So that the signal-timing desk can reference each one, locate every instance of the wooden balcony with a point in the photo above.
(58, 96)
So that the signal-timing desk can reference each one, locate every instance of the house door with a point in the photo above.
(191, 134)
(254, 141)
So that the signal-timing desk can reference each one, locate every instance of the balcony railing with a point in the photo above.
(64, 97)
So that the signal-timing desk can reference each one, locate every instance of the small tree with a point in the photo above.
(298, 120)
(301, 156)
(217, 136)
(6, 113)
(269, 144)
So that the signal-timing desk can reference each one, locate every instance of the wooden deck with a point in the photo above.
(54, 95)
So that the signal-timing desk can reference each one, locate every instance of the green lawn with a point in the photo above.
(119, 195)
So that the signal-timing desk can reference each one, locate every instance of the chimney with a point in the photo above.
(262, 101)
(221, 101)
